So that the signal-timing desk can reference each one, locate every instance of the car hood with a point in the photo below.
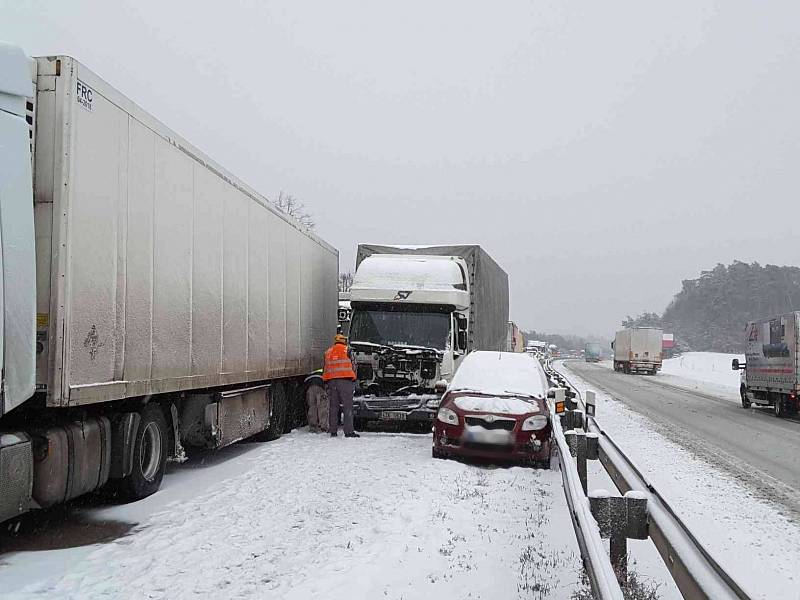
(509, 406)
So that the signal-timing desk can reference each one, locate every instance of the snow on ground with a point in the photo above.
(757, 545)
(309, 516)
(705, 372)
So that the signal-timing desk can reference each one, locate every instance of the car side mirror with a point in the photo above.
(737, 366)
(440, 386)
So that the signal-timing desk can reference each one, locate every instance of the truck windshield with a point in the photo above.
(395, 328)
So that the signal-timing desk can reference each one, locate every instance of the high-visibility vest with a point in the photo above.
(338, 364)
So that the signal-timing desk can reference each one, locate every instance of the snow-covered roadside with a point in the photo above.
(758, 546)
(705, 372)
(314, 517)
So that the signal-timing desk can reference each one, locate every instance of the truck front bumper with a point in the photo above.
(387, 410)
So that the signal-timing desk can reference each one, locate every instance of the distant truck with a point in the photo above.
(770, 373)
(417, 311)
(151, 301)
(344, 313)
(593, 352)
(638, 350)
(514, 340)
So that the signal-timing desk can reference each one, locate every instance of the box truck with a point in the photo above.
(151, 301)
(515, 342)
(771, 371)
(637, 349)
(417, 311)
(593, 352)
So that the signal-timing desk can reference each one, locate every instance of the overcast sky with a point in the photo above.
(600, 151)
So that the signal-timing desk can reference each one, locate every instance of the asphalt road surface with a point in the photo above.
(753, 445)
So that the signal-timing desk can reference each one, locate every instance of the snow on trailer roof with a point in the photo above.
(500, 373)
(403, 271)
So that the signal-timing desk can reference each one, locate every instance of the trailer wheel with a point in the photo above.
(745, 400)
(149, 455)
(280, 408)
(780, 406)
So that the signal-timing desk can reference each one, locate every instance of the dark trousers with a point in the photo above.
(340, 394)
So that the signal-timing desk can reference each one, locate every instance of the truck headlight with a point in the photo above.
(432, 403)
(534, 423)
(445, 415)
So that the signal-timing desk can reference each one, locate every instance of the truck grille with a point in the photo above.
(494, 423)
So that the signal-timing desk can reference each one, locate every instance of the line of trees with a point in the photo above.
(710, 312)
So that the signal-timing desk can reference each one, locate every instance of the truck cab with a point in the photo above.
(408, 333)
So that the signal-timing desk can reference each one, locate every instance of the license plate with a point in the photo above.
(393, 415)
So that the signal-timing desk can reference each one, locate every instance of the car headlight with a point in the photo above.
(445, 415)
(535, 423)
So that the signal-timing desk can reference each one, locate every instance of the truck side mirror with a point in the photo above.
(462, 339)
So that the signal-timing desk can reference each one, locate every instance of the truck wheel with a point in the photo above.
(277, 420)
(745, 399)
(149, 455)
(780, 406)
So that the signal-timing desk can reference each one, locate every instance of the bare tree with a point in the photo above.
(296, 209)
(345, 281)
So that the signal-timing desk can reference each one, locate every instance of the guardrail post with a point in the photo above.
(580, 454)
(572, 441)
(600, 505)
(637, 522)
(592, 446)
(619, 542)
(578, 422)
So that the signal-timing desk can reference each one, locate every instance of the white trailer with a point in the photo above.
(638, 349)
(152, 300)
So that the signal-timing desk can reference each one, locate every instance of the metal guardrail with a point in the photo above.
(598, 566)
(696, 573)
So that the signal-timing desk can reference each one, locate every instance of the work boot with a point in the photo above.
(351, 434)
(333, 434)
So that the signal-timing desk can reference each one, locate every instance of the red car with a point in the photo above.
(495, 408)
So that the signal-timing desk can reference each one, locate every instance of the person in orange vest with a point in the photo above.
(340, 382)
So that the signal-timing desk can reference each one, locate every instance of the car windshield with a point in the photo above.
(396, 328)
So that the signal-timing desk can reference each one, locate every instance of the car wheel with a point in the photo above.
(436, 452)
(745, 400)
(149, 455)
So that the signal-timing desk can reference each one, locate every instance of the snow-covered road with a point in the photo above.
(312, 517)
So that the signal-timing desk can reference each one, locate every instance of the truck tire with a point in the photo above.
(149, 455)
(745, 400)
(280, 409)
(780, 406)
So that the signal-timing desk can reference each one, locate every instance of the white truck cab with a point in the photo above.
(416, 313)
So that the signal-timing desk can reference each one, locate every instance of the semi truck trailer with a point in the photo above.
(151, 301)
(771, 371)
(417, 311)
(637, 349)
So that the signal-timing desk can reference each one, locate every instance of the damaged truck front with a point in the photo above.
(416, 313)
